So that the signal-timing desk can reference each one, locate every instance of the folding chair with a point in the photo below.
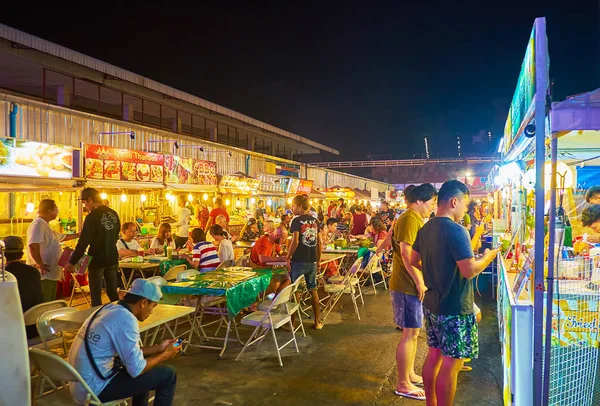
(31, 316)
(54, 368)
(292, 306)
(226, 264)
(172, 273)
(158, 280)
(84, 289)
(184, 275)
(373, 267)
(266, 321)
(243, 261)
(44, 327)
(350, 284)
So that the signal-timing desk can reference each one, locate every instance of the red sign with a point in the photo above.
(122, 164)
(190, 171)
(300, 186)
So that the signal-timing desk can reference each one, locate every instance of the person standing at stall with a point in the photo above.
(100, 233)
(443, 251)
(44, 248)
(182, 231)
(219, 210)
(259, 215)
(201, 213)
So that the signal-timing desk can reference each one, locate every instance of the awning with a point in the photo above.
(361, 194)
(192, 188)
(117, 184)
(26, 184)
(581, 112)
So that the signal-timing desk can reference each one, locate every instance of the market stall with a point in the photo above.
(239, 194)
(31, 172)
(272, 190)
(132, 182)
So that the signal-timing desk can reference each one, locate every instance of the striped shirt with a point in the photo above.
(205, 256)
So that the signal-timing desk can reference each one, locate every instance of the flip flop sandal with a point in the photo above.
(318, 326)
(411, 394)
(466, 368)
(418, 383)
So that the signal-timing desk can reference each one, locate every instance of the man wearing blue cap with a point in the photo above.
(107, 352)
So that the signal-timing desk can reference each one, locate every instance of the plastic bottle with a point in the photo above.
(170, 252)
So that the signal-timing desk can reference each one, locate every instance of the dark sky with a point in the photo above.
(365, 78)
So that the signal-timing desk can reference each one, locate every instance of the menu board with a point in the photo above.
(122, 164)
(273, 183)
(300, 186)
(34, 159)
(189, 171)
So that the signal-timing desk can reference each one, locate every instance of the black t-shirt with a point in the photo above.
(100, 232)
(442, 243)
(308, 228)
(30, 289)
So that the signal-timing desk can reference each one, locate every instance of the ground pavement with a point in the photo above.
(349, 362)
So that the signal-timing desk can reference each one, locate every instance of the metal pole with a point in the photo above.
(541, 84)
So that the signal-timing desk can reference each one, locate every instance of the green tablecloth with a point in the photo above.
(170, 263)
(241, 288)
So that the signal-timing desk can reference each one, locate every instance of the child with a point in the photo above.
(204, 254)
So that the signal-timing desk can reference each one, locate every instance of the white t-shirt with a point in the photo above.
(183, 223)
(131, 245)
(155, 244)
(226, 251)
(39, 231)
(115, 332)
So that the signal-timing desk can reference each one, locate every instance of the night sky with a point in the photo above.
(367, 78)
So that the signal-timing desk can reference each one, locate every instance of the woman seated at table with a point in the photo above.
(225, 247)
(127, 245)
(204, 254)
(163, 238)
(222, 221)
(250, 232)
(375, 231)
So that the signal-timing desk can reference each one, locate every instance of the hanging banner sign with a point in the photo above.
(300, 187)
(189, 171)
(123, 164)
(37, 160)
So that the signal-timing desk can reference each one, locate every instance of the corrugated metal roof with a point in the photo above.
(51, 48)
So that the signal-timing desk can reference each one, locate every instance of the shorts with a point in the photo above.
(408, 310)
(455, 335)
(308, 269)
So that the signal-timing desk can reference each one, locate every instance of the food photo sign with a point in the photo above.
(38, 160)
(118, 164)
(189, 171)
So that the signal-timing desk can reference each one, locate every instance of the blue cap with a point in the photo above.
(145, 289)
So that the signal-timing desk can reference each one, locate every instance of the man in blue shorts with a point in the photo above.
(443, 251)
(407, 288)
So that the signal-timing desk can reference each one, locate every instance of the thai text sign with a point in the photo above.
(122, 164)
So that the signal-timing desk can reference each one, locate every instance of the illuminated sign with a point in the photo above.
(122, 164)
(300, 187)
(190, 171)
(38, 160)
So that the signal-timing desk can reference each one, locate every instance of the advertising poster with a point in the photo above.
(189, 171)
(38, 160)
(118, 164)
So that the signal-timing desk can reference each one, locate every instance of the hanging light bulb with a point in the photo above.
(214, 199)
(269, 202)
(123, 197)
(60, 193)
(168, 196)
(190, 198)
(227, 202)
(29, 207)
(289, 200)
(252, 200)
(238, 203)
(143, 198)
(205, 197)
(103, 195)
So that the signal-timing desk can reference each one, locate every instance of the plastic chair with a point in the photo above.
(266, 321)
(243, 261)
(172, 273)
(373, 267)
(54, 368)
(31, 316)
(292, 306)
(81, 288)
(48, 334)
(158, 280)
(226, 264)
(350, 284)
(184, 275)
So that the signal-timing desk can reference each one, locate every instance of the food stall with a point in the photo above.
(548, 292)
(272, 189)
(132, 182)
(31, 172)
(239, 194)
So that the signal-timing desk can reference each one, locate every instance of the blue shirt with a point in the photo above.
(115, 332)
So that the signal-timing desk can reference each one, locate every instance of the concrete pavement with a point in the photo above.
(349, 362)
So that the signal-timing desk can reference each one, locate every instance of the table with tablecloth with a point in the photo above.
(165, 266)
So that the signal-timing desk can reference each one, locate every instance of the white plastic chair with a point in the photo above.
(31, 316)
(172, 273)
(266, 321)
(373, 267)
(350, 284)
(226, 264)
(292, 306)
(47, 333)
(158, 280)
(54, 368)
(184, 275)
(84, 289)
